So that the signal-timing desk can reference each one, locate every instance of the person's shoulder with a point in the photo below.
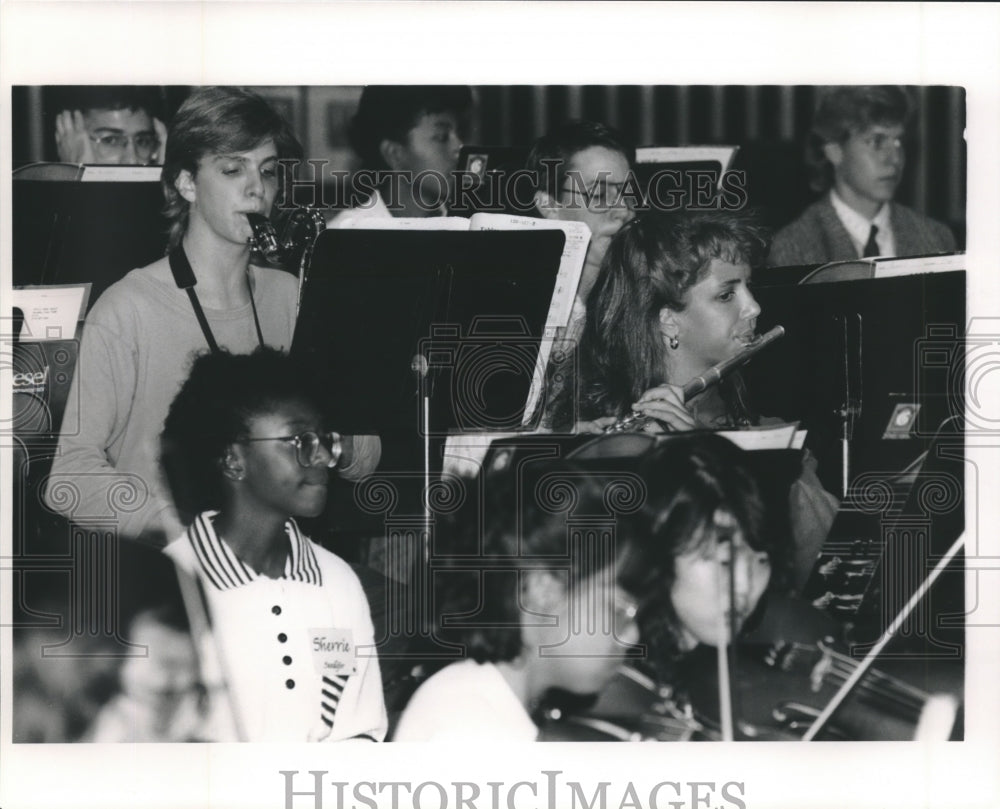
(271, 281)
(808, 219)
(373, 207)
(466, 671)
(465, 683)
(465, 701)
(795, 242)
(904, 216)
(333, 566)
(134, 292)
(904, 213)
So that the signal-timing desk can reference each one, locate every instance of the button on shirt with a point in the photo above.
(859, 228)
(260, 653)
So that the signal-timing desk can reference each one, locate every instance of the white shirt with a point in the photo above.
(373, 208)
(466, 701)
(260, 658)
(858, 227)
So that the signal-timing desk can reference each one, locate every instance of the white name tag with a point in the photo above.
(333, 651)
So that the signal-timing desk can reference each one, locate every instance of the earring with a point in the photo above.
(231, 467)
(674, 342)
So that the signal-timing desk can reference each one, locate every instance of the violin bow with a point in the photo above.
(199, 617)
(727, 635)
(876, 650)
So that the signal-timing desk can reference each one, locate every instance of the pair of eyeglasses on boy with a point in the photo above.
(307, 446)
(145, 143)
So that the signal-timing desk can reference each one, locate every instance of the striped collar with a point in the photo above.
(226, 571)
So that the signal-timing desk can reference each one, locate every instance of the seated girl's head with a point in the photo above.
(217, 122)
(549, 593)
(672, 299)
(703, 520)
(246, 429)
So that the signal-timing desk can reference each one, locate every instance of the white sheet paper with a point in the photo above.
(50, 312)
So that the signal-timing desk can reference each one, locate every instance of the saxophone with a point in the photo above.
(293, 249)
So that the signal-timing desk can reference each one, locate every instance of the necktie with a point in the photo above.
(871, 246)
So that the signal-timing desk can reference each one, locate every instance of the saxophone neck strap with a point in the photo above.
(180, 268)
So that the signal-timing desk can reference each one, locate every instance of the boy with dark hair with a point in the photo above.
(111, 125)
(856, 150)
(408, 138)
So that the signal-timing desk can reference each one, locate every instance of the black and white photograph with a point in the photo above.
(344, 402)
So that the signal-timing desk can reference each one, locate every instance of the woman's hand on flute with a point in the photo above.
(666, 403)
(598, 425)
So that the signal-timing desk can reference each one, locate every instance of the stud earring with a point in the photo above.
(231, 467)
(674, 342)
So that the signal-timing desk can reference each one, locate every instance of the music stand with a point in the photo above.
(417, 333)
(469, 307)
(68, 231)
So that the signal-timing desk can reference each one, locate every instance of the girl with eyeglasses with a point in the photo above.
(246, 451)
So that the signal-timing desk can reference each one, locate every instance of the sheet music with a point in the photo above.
(406, 223)
(464, 452)
(121, 174)
(667, 155)
(564, 293)
(915, 265)
(724, 155)
(570, 263)
(799, 440)
(50, 312)
(781, 436)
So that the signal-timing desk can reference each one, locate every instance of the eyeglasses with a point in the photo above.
(307, 446)
(604, 196)
(146, 143)
(881, 143)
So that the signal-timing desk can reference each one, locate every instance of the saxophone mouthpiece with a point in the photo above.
(265, 238)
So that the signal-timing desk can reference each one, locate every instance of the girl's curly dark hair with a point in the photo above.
(212, 410)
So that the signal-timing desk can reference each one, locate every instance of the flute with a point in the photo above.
(636, 421)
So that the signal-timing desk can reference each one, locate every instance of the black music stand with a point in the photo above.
(410, 333)
(855, 350)
(69, 232)
(469, 308)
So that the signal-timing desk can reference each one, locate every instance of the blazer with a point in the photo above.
(818, 237)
